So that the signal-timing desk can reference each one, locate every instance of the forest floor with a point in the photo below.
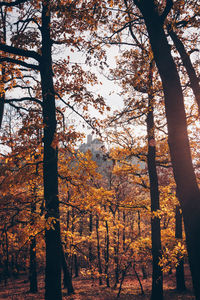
(86, 289)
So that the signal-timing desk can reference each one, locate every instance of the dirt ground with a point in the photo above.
(86, 289)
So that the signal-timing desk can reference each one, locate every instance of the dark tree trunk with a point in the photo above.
(188, 191)
(116, 255)
(157, 277)
(76, 266)
(2, 100)
(33, 265)
(67, 276)
(107, 255)
(124, 231)
(90, 243)
(138, 222)
(98, 251)
(2, 93)
(194, 80)
(180, 278)
(50, 172)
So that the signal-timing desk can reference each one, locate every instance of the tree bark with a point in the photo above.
(157, 277)
(98, 251)
(33, 265)
(188, 191)
(2, 93)
(90, 255)
(33, 262)
(107, 255)
(50, 172)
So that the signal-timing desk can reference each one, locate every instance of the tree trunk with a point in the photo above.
(107, 255)
(157, 277)
(180, 278)
(67, 276)
(124, 231)
(90, 255)
(50, 172)
(2, 93)
(98, 251)
(32, 269)
(76, 266)
(33, 263)
(188, 191)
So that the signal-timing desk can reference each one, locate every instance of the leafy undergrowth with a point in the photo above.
(86, 289)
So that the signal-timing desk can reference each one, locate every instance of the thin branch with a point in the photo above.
(10, 4)
(24, 99)
(76, 112)
(19, 62)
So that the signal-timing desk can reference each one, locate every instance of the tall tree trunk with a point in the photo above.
(107, 255)
(116, 255)
(90, 242)
(138, 222)
(50, 172)
(76, 266)
(188, 191)
(32, 268)
(157, 278)
(2, 92)
(124, 231)
(98, 251)
(180, 278)
(33, 263)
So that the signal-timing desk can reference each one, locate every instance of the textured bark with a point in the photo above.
(157, 278)
(107, 255)
(33, 263)
(98, 251)
(188, 191)
(90, 255)
(2, 93)
(2, 100)
(33, 267)
(50, 172)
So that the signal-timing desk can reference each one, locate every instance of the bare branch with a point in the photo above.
(19, 62)
(20, 52)
(10, 4)
(24, 99)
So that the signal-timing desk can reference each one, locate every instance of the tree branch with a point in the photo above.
(24, 99)
(19, 62)
(20, 52)
(9, 4)
(168, 7)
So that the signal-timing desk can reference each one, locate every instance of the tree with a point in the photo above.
(188, 192)
(39, 19)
